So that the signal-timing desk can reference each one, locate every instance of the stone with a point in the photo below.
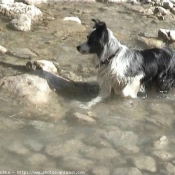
(76, 163)
(33, 145)
(22, 53)
(102, 154)
(167, 4)
(3, 50)
(15, 9)
(145, 163)
(33, 88)
(126, 171)
(163, 34)
(170, 168)
(161, 143)
(120, 138)
(172, 35)
(161, 10)
(22, 23)
(45, 65)
(18, 148)
(151, 42)
(41, 125)
(75, 19)
(37, 159)
(70, 147)
(163, 155)
(6, 1)
(97, 140)
(100, 170)
(83, 117)
(34, 2)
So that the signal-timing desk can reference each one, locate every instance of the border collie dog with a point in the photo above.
(127, 71)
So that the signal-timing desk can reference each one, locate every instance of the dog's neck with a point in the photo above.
(111, 48)
(108, 59)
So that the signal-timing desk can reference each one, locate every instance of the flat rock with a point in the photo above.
(33, 145)
(23, 53)
(29, 87)
(163, 155)
(102, 154)
(37, 159)
(151, 42)
(119, 138)
(170, 168)
(77, 163)
(145, 163)
(18, 148)
(100, 170)
(126, 171)
(57, 149)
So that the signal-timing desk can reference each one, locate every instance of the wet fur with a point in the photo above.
(129, 70)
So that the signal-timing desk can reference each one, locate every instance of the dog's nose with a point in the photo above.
(78, 48)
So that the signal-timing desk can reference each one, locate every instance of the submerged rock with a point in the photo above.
(145, 163)
(100, 170)
(126, 171)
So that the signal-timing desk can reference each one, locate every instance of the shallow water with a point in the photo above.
(47, 137)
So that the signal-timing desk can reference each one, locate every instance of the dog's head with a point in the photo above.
(96, 39)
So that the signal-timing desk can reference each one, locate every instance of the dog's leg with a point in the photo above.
(104, 93)
(133, 87)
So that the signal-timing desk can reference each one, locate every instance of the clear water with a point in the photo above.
(46, 137)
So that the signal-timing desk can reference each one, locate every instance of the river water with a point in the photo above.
(128, 137)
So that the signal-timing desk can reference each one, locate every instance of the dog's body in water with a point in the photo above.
(127, 71)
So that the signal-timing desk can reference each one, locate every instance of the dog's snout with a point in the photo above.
(78, 48)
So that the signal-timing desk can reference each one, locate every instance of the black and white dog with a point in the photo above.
(127, 71)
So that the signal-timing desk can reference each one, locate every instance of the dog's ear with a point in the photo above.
(99, 25)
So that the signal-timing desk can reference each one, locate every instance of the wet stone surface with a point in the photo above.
(42, 125)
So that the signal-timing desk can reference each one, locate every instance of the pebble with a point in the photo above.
(145, 163)
(57, 149)
(77, 163)
(83, 117)
(121, 138)
(37, 159)
(161, 143)
(102, 154)
(126, 171)
(41, 125)
(33, 145)
(3, 50)
(22, 23)
(163, 155)
(100, 170)
(18, 148)
(72, 18)
(170, 168)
